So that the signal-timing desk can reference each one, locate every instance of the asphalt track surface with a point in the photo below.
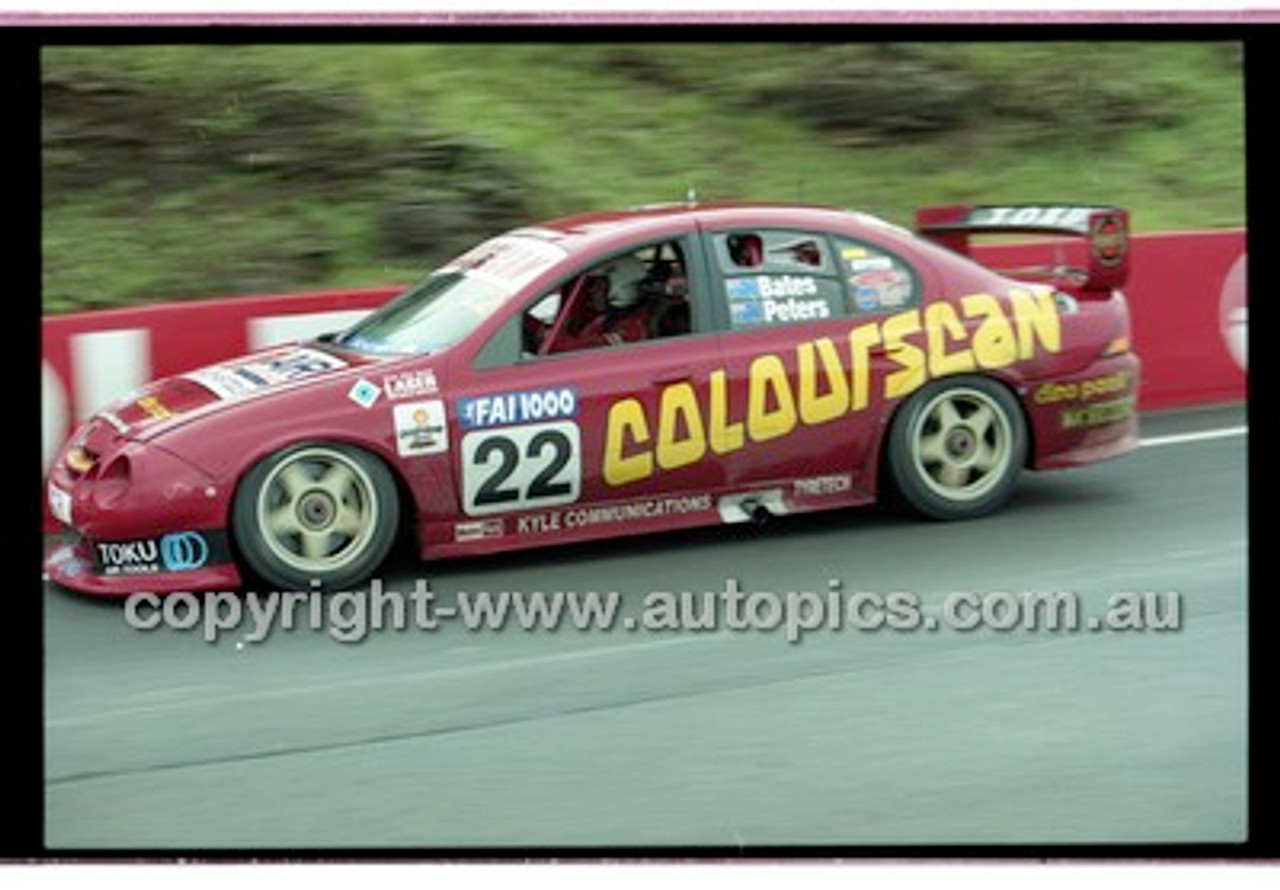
(450, 739)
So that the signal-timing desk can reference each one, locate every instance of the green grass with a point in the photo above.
(581, 134)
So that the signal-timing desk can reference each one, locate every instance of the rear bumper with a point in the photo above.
(1086, 417)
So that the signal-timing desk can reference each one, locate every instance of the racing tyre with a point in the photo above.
(318, 512)
(956, 448)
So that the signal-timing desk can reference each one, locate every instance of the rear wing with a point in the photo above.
(1106, 228)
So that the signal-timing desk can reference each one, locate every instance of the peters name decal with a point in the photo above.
(771, 299)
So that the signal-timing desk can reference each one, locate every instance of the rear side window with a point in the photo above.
(777, 277)
(878, 281)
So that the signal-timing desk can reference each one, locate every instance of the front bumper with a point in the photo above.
(144, 520)
(72, 565)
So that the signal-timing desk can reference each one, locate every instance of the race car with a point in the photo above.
(618, 373)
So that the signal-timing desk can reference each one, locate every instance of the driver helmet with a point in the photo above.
(625, 275)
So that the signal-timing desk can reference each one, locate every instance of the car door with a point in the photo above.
(804, 352)
(543, 434)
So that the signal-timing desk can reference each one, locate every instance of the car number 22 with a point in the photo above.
(521, 468)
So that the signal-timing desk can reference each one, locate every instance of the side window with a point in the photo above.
(631, 297)
(878, 281)
(775, 276)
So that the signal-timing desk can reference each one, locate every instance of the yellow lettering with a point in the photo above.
(993, 343)
(941, 322)
(834, 403)
(982, 334)
(861, 339)
(626, 416)
(680, 402)
(908, 356)
(1037, 319)
(769, 375)
(725, 436)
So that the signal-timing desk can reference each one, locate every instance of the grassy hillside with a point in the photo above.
(188, 172)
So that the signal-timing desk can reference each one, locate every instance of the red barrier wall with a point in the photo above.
(1187, 300)
(1187, 296)
(91, 358)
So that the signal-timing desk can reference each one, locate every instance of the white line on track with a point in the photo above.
(1201, 436)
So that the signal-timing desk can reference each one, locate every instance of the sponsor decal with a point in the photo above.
(1097, 414)
(67, 561)
(771, 286)
(795, 310)
(502, 409)
(871, 264)
(745, 312)
(1070, 218)
(853, 253)
(832, 379)
(787, 286)
(510, 261)
(866, 298)
(632, 511)
(410, 384)
(891, 288)
(183, 551)
(60, 504)
(1095, 387)
(822, 486)
(420, 428)
(742, 289)
(288, 365)
(154, 408)
(777, 299)
(478, 530)
(521, 467)
(364, 393)
(129, 557)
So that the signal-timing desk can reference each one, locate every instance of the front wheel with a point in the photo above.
(956, 448)
(316, 513)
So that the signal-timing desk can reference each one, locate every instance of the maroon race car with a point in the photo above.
(618, 373)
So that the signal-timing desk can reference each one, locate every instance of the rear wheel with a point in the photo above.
(956, 448)
(319, 512)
